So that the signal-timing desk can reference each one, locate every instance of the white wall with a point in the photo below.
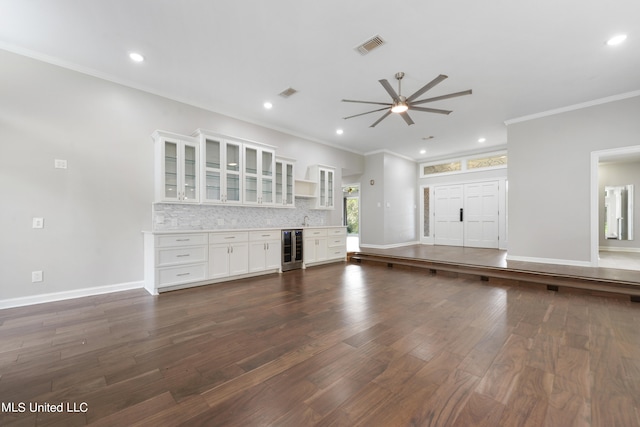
(389, 207)
(549, 177)
(95, 210)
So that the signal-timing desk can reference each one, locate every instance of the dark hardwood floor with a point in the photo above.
(337, 345)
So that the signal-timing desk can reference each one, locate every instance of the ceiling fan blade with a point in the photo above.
(438, 98)
(380, 119)
(367, 102)
(368, 112)
(406, 118)
(385, 84)
(430, 110)
(426, 87)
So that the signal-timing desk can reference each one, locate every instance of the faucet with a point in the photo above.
(305, 221)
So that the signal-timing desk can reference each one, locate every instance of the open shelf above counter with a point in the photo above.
(305, 188)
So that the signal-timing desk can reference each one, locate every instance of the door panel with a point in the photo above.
(448, 229)
(481, 215)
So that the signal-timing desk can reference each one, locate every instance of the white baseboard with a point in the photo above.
(395, 245)
(618, 249)
(554, 261)
(60, 296)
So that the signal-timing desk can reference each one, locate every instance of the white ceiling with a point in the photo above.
(519, 58)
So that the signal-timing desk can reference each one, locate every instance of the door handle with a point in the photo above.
(461, 214)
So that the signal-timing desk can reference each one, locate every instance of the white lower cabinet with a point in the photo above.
(228, 254)
(175, 260)
(324, 244)
(336, 243)
(264, 250)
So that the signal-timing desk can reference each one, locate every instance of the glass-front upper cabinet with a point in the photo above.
(324, 176)
(284, 183)
(259, 182)
(221, 170)
(177, 168)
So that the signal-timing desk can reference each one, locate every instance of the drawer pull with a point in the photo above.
(230, 237)
(182, 255)
(266, 235)
(182, 240)
(183, 274)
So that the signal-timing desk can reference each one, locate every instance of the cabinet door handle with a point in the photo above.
(231, 249)
(461, 214)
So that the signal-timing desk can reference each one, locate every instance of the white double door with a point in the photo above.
(467, 215)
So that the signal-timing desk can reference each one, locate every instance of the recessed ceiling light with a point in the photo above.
(423, 151)
(268, 105)
(339, 131)
(481, 140)
(616, 40)
(136, 57)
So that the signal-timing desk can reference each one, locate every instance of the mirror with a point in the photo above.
(618, 212)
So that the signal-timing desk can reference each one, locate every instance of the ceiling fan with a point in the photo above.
(401, 104)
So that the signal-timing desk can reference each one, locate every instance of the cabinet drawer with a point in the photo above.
(181, 274)
(333, 242)
(258, 236)
(338, 231)
(186, 255)
(178, 240)
(314, 232)
(215, 238)
(335, 253)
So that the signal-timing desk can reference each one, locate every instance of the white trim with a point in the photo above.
(573, 107)
(553, 261)
(65, 295)
(394, 245)
(619, 249)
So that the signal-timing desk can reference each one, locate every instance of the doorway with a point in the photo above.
(351, 216)
(466, 214)
(611, 169)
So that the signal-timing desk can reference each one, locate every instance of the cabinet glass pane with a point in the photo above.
(233, 158)
(213, 154)
(323, 188)
(267, 163)
(213, 185)
(289, 180)
(170, 170)
(190, 172)
(233, 187)
(279, 178)
(329, 188)
(251, 159)
(267, 190)
(250, 189)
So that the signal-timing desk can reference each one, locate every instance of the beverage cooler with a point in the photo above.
(291, 249)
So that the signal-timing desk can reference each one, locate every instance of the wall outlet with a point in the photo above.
(36, 276)
(38, 222)
(159, 219)
(60, 164)
(220, 221)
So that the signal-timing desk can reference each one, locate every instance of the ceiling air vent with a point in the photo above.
(369, 45)
(287, 92)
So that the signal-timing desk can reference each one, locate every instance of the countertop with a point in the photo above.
(231, 230)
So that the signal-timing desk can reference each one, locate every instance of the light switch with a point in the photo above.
(38, 222)
(36, 276)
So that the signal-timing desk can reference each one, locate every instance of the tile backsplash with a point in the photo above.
(174, 216)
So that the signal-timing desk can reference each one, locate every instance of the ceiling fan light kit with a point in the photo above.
(401, 104)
